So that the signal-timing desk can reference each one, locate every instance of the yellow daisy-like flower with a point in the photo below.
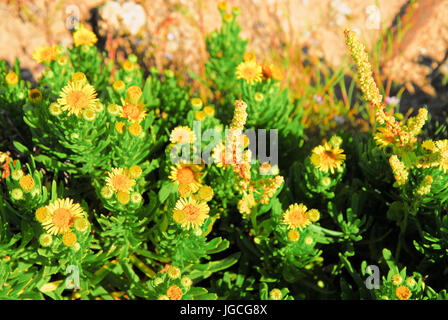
(118, 85)
(128, 66)
(249, 56)
(210, 111)
(403, 293)
(113, 109)
(293, 235)
(186, 174)
(77, 96)
(123, 197)
(327, 157)
(35, 95)
(205, 193)
(63, 212)
(385, 137)
(135, 129)
(200, 115)
(184, 190)
(46, 240)
(135, 171)
(134, 93)
(45, 54)
(182, 135)
(12, 78)
(43, 214)
(69, 239)
(174, 293)
(119, 180)
(249, 71)
(133, 112)
(119, 126)
(276, 294)
(296, 216)
(81, 224)
(174, 272)
(84, 36)
(190, 213)
(27, 183)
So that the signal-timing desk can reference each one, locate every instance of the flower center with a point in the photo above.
(297, 218)
(185, 176)
(131, 111)
(61, 218)
(77, 99)
(121, 182)
(191, 212)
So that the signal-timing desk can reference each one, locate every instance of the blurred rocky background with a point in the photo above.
(171, 33)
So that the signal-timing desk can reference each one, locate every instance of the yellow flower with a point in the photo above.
(12, 78)
(69, 239)
(249, 56)
(313, 215)
(222, 6)
(135, 171)
(399, 170)
(249, 71)
(205, 193)
(200, 115)
(118, 85)
(327, 158)
(84, 36)
(119, 126)
(184, 190)
(63, 212)
(107, 192)
(43, 214)
(403, 293)
(174, 272)
(186, 174)
(186, 282)
(17, 194)
(135, 129)
(35, 95)
(239, 116)
(429, 145)
(45, 240)
(55, 109)
(45, 54)
(296, 217)
(113, 109)
(134, 93)
(210, 111)
(196, 103)
(190, 213)
(119, 180)
(27, 183)
(133, 112)
(182, 135)
(276, 294)
(81, 224)
(128, 66)
(123, 197)
(79, 76)
(293, 235)
(397, 279)
(89, 115)
(277, 73)
(425, 186)
(77, 96)
(385, 137)
(174, 292)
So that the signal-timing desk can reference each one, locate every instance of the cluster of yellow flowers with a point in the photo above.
(402, 292)
(252, 72)
(402, 137)
(121, 181)
(297, 216)
(62, 217)
(26, 184)
(191, 209)
(132, 111)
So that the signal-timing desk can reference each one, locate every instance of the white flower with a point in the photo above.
(373, 17)
(133, 15)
